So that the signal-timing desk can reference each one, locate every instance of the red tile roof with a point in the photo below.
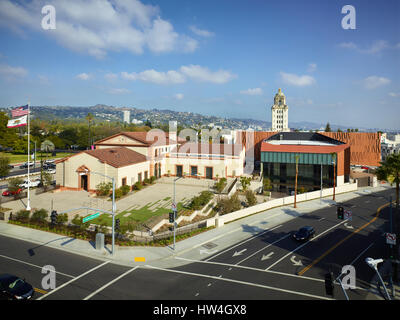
(116, 157)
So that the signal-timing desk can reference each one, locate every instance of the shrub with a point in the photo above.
(22, 216)
(245, 181)
(118, 193)
(152, 179)
(62, 218)
(251, 198)
(227, 205)
(200, 201)
(103, 188)
(13, 184)
(39, 216)
(137, 186)
(146, 181)
(220, 185)
(125, 189)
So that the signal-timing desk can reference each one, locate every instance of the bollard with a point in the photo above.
(99, 241)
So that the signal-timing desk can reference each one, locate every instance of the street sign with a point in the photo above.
(348, 215)
(390, 238)
(173, 206)
(91, 217)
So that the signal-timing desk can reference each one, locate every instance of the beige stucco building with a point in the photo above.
(129, 157)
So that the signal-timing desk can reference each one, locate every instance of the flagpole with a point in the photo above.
(28, 205)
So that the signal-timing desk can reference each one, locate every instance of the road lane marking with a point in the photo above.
(249, 268)
(40, 290)
(76, 278)
(230, 248)
(284, 237)
(241, 282)
(341, 241)
(304, 244)
(33, 265)
(110, 283)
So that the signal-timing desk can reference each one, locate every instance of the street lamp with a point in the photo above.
(174, 208)
(113, 204)
(373, 263)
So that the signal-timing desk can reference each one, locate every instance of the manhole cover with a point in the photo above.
(209, 245)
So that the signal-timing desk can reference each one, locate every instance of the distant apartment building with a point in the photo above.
(127, 116)
(280, 113)
(390, 144)
(136, 121)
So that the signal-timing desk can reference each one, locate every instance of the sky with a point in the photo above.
(223, 57)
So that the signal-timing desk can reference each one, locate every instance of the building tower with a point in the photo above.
(280, 113)
(127, 116)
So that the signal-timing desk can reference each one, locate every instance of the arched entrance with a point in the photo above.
(83, 178)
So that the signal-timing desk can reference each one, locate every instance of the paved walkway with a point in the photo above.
(229, 234)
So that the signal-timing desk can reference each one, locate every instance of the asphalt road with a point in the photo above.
(269, 265)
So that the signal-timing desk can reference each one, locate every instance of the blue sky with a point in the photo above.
(223, 57)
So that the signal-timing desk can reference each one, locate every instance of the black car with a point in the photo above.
(304, 233)
(14, 288)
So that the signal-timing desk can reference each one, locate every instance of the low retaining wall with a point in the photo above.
(281, 202)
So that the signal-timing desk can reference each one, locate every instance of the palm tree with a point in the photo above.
(47, 146)
(334, 173)
(89, 119)
(295, 184)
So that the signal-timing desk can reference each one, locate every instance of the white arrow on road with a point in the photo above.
(207, 252)
(347, 226)
(268, 256)
(295, 263)
(238, 253)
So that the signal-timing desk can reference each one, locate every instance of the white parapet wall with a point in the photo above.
(347, 187)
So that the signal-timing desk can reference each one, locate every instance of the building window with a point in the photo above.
(124, 181)
(146, 174)
(193, 171)
(139, 177)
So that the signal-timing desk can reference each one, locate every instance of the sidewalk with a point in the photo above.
(229, 234)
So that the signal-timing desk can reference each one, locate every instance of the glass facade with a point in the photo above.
(280, 168)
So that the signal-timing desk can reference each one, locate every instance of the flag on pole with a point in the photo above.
(20, 111)
(18, 122)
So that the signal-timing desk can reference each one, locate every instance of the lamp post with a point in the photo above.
(373, 263)
(174, 209)
(113, 205)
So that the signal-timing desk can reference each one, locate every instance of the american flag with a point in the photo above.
(19, 111)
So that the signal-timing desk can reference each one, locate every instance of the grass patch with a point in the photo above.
(19, 158)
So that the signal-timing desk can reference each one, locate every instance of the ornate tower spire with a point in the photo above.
(280, 113)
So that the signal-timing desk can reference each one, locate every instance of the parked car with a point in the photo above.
(11, 193)
(304, 233)
(34, 183)
(25, 165)
(49, 166)
(15, 288)
(10, 166)
(51, 171)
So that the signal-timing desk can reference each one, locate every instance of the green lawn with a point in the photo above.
(137, 215)
(19, 158)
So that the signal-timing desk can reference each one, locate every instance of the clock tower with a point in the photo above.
(280, 113)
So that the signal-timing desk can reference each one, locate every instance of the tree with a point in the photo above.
(4, 165)
(267, 186)
(89, 119)
(47, 179)
(47, 146)
(220, 185)
(245, 181)
(251, 198)
(328, 128)
(13, 184)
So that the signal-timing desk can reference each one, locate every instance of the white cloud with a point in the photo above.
(179, 96)
(312, 67)
(202, 32)
(394, 94)
(83, 76)
(96, 27)
(374, 48)
(111, 76)
(203, 74)
(12, 72)
(252, 92)
(295, 80)
(153, 76)
(193, 72)
(119, 91)
(373, 82)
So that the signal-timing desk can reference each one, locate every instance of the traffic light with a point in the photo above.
(53, 217)
(329, 283)
(340, 213)
(171, 217)
(117, 226)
